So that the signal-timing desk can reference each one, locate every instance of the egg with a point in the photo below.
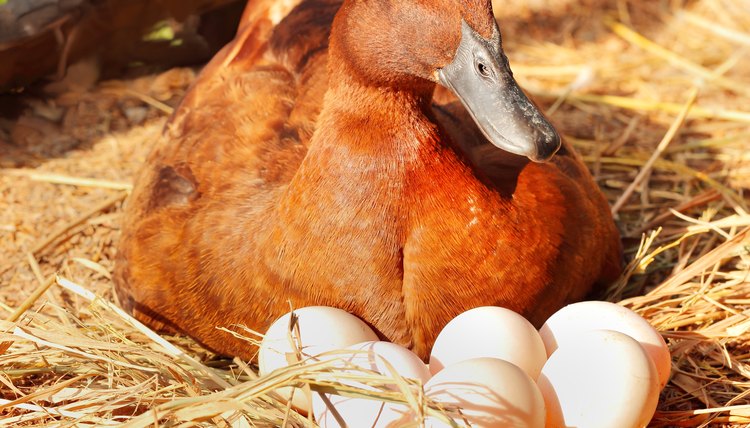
(600, 378)
(489, 331)
(380, 357)
(321, 329)
(569, 322)
(490, 393)
(359, 412)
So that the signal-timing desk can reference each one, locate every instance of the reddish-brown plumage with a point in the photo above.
(300, 173)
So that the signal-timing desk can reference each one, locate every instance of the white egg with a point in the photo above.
(321, 329)
(569, 322)
(489, 331)
(601, 378)
(358, 412)
(490, 393)
(380, 357)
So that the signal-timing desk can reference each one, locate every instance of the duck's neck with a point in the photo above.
(380, 117)
(375, 100)
(376, 120)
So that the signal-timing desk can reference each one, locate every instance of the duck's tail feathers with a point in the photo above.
(255, 27)
(272, 10)
(257, 22)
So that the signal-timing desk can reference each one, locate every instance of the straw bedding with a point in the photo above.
(655, 95)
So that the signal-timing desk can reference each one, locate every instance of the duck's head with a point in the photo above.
(454, 43)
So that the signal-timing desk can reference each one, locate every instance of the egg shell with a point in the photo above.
(357, 412)
(569, 322)
(601, 378)
(489, 331)
(378, 356)
(321, 329)
(490, 392)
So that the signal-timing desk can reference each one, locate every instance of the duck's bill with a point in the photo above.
(481, 78)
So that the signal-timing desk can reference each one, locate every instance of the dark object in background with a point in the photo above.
(24, 18)
(40, 38)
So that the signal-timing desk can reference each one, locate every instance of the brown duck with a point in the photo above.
(375, 156)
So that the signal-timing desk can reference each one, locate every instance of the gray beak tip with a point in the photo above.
(546, 146)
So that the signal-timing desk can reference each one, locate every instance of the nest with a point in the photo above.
(654, 95)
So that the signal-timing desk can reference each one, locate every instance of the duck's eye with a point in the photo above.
(483, 70)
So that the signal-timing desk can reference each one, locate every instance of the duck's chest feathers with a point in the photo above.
(370, 196)
(351, 196)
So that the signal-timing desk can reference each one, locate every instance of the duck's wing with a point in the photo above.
(239, 134)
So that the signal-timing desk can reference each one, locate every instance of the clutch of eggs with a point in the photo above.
(592, 364)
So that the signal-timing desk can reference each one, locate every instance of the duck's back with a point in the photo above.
(256, 101)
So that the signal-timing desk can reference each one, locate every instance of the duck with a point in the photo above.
(375, 156)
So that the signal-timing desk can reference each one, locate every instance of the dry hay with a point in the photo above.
(654, 95)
